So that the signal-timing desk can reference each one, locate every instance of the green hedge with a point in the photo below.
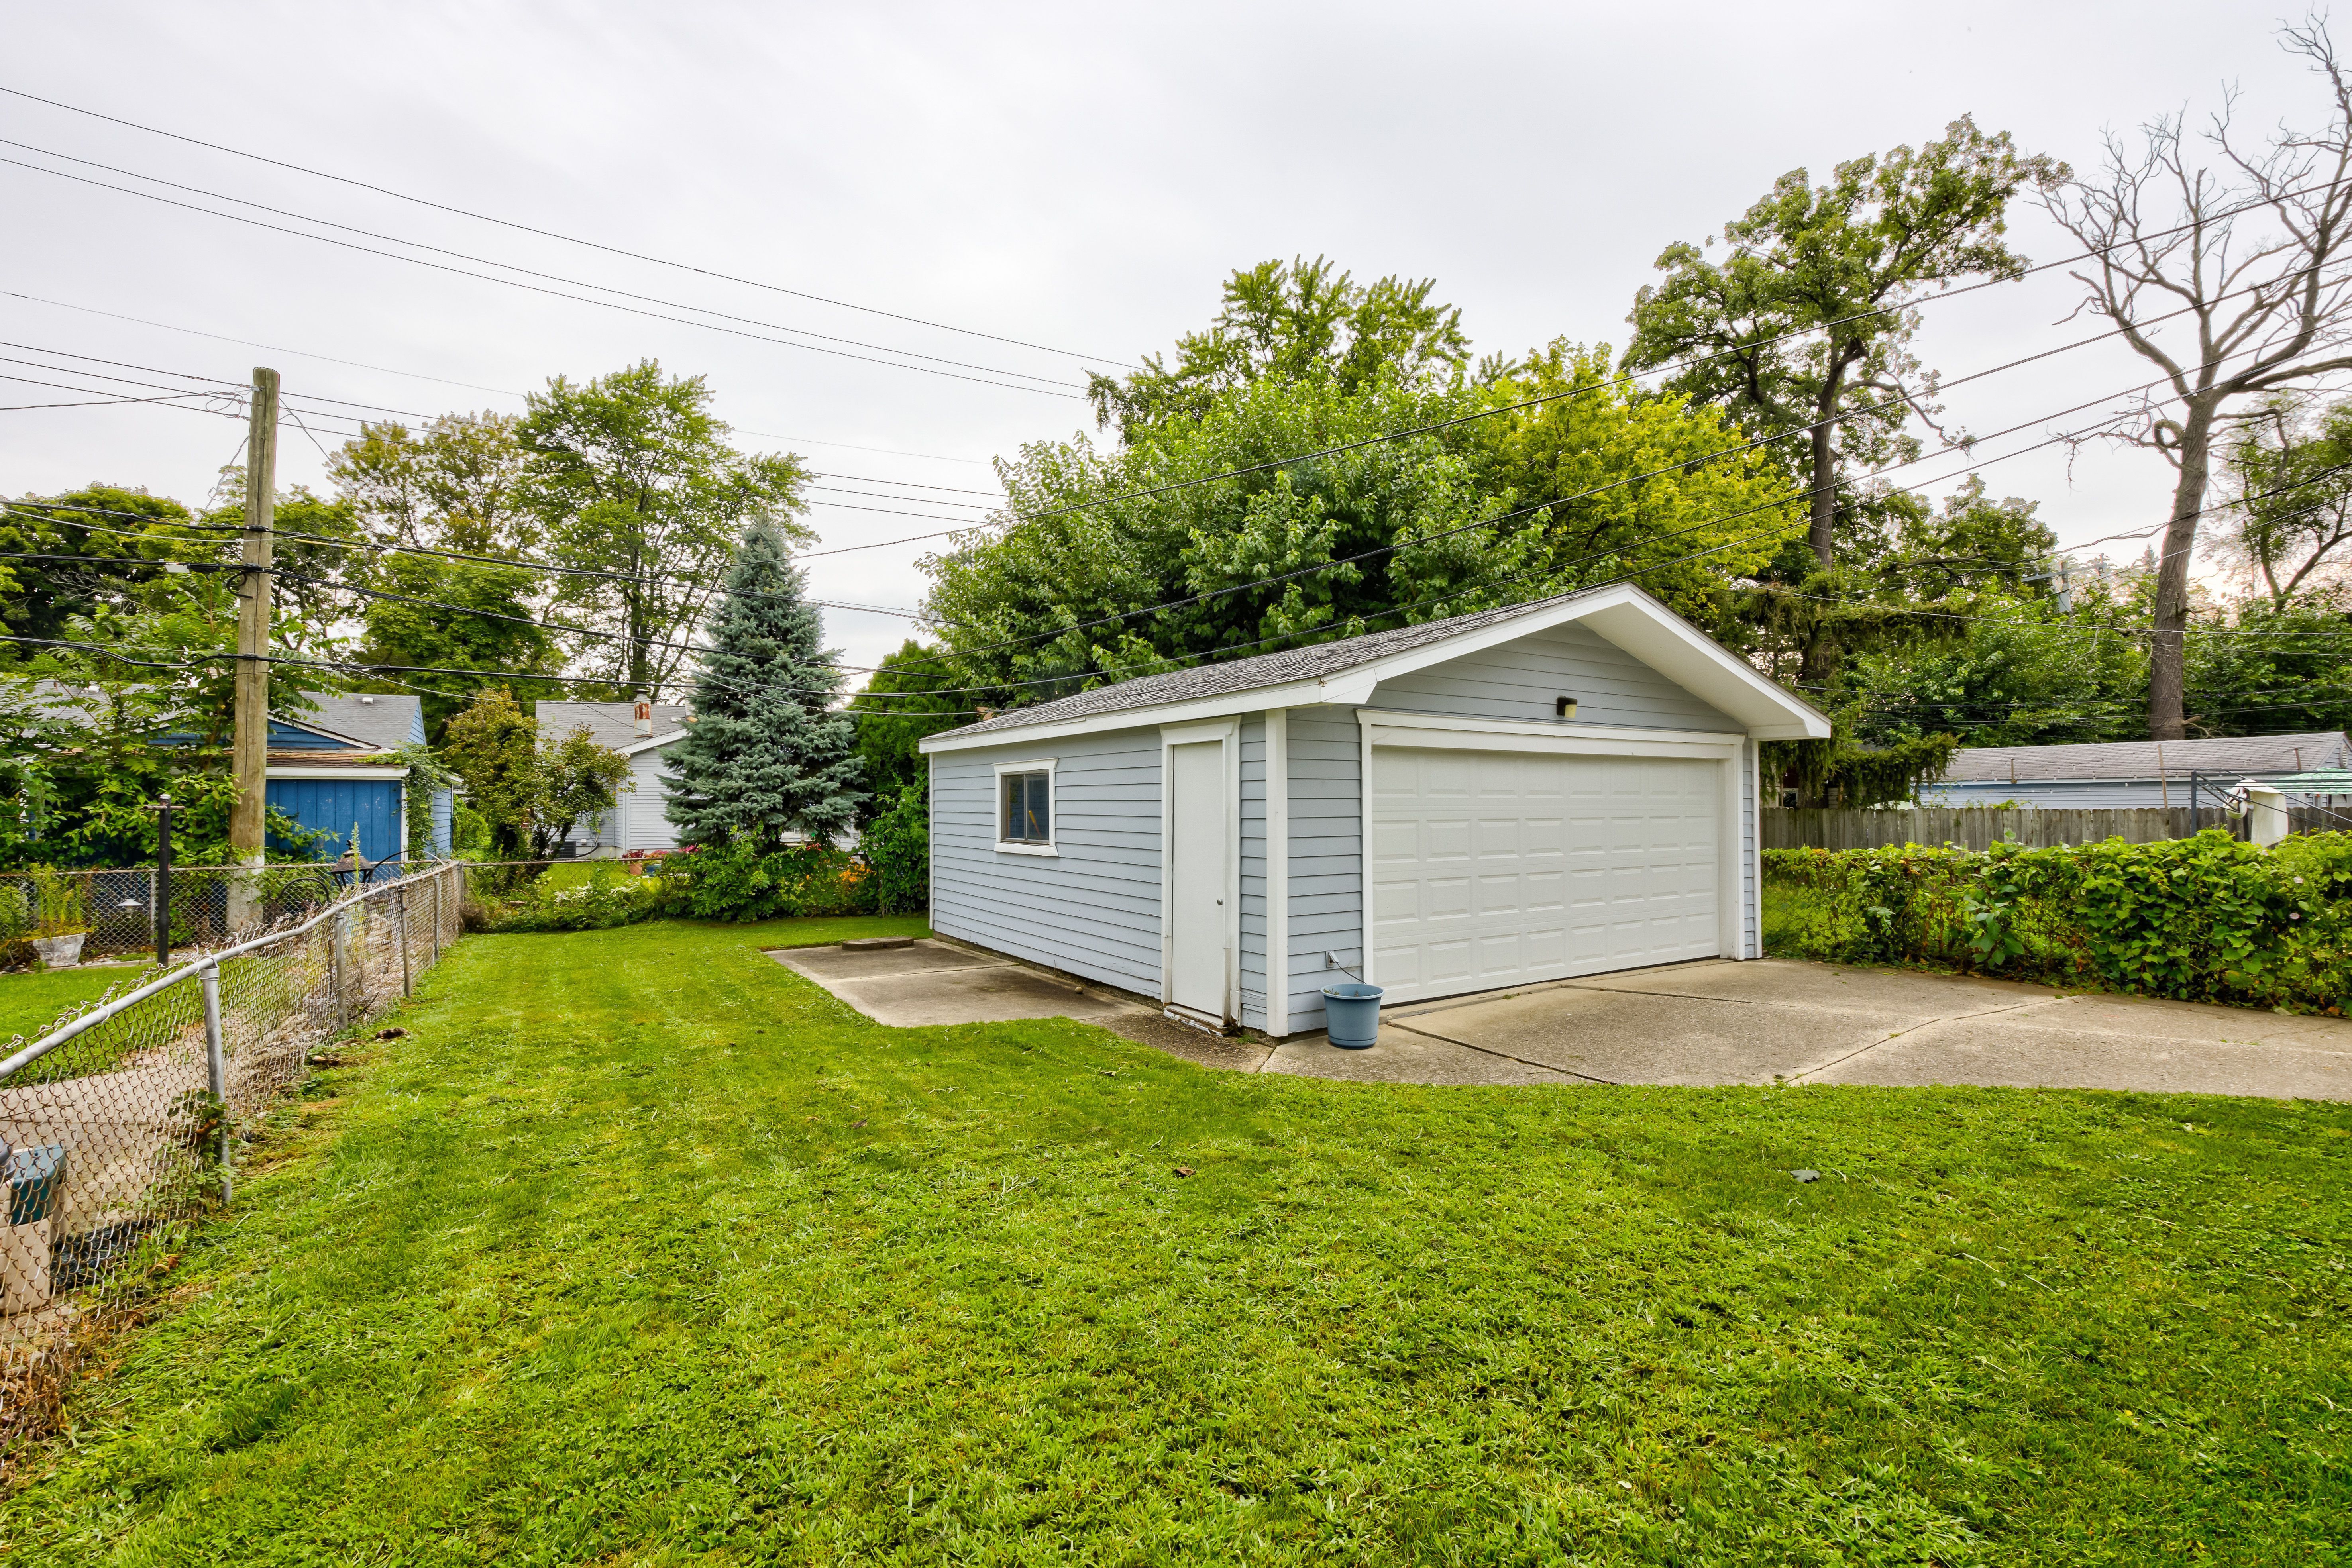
(2205, 919)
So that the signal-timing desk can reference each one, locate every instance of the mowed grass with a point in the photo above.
(30, 1001)
(640, 1250)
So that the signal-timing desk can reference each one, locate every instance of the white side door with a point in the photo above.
(1196, 876)
(1493, 868)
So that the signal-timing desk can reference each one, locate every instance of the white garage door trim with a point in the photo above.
(1431, 731)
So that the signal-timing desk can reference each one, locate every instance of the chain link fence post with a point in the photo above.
(216, 1067)
(400, 930)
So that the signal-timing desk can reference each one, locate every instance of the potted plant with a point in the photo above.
(60, 926)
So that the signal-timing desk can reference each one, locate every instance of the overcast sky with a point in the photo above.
(1076, 177)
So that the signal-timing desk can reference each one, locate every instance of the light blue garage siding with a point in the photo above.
(1251, 958)
(1094, 909)
(1523, 678)
(1326, 868)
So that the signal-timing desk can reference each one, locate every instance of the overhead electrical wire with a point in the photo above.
(551, 234)
(507, 266)
(1550, 569)
(447, 381)
(713, 326)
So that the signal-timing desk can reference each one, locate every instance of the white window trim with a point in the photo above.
(1050, 848)
(1226, 734)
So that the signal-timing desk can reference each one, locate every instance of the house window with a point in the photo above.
(1028, 808)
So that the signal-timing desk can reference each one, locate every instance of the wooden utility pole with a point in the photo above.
(252, 746)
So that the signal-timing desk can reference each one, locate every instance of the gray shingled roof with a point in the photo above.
(1311, 663)
(2238, 755)
(385, 721)
(612, 724)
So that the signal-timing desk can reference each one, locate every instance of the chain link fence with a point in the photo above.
(117, 906)
(122, 1122)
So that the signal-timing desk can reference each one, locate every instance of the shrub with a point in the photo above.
(737, 882)
(2205, 919)
(606, 899)
(897, 846)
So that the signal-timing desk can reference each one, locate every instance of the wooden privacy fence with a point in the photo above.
(1982, 827)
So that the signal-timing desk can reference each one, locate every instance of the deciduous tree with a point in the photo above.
(2242, 262)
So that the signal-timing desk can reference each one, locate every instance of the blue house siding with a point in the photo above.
(334, 804)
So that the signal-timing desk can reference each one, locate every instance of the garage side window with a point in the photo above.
(1028, 808)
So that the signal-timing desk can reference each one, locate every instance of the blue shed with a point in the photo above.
(323, 773)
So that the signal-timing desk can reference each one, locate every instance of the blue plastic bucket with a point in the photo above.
(1352, 1012)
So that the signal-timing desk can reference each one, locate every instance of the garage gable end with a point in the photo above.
(1525, 678)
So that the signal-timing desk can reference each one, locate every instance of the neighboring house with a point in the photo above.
(643, 732)
(2122, 774)
(1561, 788)
(323, 773)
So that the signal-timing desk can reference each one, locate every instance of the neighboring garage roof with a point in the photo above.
(612, 724)
(1344, 670)
(385, 721)
(2236, 754)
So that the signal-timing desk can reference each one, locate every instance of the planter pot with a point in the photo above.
(1352, 1012)
(61, 951)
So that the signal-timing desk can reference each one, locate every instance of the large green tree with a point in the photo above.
(902, 702)
(1293, 322)
(765, 755)
(453, 485)
(1212, 536)
(2288, 476)
(406, 642)
(1804, 326)
(631, 474)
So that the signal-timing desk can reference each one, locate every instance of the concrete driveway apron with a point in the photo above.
(1770, 1021)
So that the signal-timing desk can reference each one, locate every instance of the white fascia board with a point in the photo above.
(1635, 621)
(379, 775)
(654, 744)
(1623, 614)
(1706, 669)
(1289, 694)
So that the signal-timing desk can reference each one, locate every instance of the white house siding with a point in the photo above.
(644, 821)
(1523, 678)
(1251, 958)
(1094, 910)
(1326, 889)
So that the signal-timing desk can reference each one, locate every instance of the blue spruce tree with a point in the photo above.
(765, 754)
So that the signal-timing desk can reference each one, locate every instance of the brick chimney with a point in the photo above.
(645, 718)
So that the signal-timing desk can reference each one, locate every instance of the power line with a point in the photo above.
(510, 267)
(550, 234)
(531, 288)
(447, 381)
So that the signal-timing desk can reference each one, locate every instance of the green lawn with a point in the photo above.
(639, 1249)
(30, 1002)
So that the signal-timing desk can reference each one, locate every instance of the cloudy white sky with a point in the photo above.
(1076, 177)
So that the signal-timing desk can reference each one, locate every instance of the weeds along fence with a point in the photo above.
(122, 1121)
(117, 906)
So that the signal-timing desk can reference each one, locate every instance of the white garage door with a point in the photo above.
(1495, 868)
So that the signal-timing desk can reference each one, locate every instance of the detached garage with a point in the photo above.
(1555, 789)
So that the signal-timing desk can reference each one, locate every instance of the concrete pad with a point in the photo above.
(1404, 1055)
(1622, 1037)
(2154, 1019)
(993, 994)
(2037, 1047)
(1773, 980)
(823, 964)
